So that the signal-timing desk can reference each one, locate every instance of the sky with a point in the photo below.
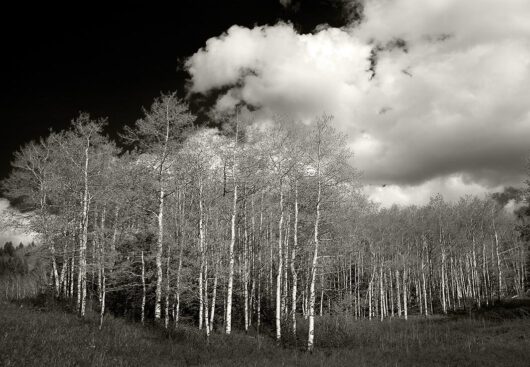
(114, 60)
(434, 95)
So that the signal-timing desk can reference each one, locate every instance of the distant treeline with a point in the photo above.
(12, 260)
(251, 225)
(22, 274)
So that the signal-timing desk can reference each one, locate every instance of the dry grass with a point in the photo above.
(50, 337)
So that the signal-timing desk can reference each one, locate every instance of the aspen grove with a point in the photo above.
(252, 226)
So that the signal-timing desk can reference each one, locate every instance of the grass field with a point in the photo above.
(31, 336)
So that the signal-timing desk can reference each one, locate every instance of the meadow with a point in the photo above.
(48, 334)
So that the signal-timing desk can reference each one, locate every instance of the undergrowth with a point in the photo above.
(46, 333)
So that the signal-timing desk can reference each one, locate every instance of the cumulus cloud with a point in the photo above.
(451, 101)
(278, 70)
(470, 22)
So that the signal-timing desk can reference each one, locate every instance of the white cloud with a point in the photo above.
(469, 22)
(454, 105)
(451, 187)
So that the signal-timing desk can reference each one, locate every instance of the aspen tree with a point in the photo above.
(166, 314)
(318, 161)
(231, 257)
(143, 288)
(195, 200)
(245, 266)
(159, 134)
(293, 258)
(202, 251)
(77, 146)
(280, 266)
(32, 178)
(214, 296)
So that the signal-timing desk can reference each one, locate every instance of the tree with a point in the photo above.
(251, 225)
(231, 258)
(159, 134)
(9, 249)
(80, 146)
(329, 165)
(31, 181)
(524, 227)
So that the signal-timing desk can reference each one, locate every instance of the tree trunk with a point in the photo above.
(398, 293)
(203, 257)
(81, 287)
(102, 275)
(279, 271)
(166, 315)
(245, 266)
(228, 326)
(405, 297)
(143, 289)
(159, 251)
(160, 239)
(214, 299)
(293, 259)
(314, 262)
(498, 263)
(180, 241)
(205, 298)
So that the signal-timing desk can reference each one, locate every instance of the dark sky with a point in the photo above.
(111, 62)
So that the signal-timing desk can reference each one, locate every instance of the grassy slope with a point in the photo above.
(33, 337)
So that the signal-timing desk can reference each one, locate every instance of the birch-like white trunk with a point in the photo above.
(444, 301)
(180, 241)
(205, 298)
(280, 270)
(214, 299)
(293, 259)
(102, 275)
(405, 297)
(159, 251)
(314, 262)
(245, 271)
(398, 293)
(231, 260)
(166, 315)
(498, 263)
(202, 254)
(143, 289)
(81, 288)
(160, 239)
(424, 282)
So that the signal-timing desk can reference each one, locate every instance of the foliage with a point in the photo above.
(271, 216)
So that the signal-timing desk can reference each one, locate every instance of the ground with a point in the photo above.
(44, 336)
